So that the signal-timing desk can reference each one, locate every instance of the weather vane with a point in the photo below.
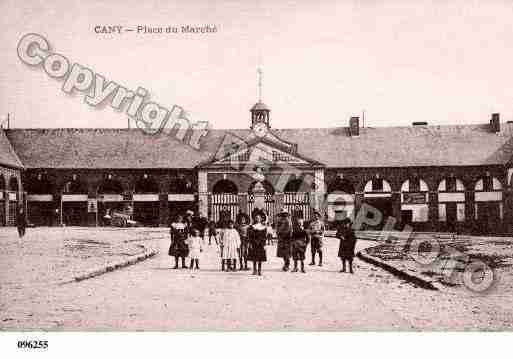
(260, 72)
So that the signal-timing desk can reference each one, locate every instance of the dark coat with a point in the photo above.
(347, 243)
(284, 233)
(178, 246)
(256, 240)
(21, 220)
(300, 241)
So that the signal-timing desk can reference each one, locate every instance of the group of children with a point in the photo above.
(244, 242)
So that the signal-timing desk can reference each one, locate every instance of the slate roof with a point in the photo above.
(8, 156)
(462, 145)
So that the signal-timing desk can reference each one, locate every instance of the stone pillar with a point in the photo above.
(163, 209)
(396, 209)
(470, 206)
(243, 203)
(433, 210)
(320, 190)
(508, 209)
(5, 204)
(203, 193)
(278, 198)
(57, 209)
(92, 217)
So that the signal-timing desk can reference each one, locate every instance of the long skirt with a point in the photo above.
(178, 249)
(284, 249)
(345, 251)
(257, 253)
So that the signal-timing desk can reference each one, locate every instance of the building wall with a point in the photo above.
(425, 217)
(432, 176)
(92, 180)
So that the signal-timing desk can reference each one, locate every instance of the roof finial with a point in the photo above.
(260, 73)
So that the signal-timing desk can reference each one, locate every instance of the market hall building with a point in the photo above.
(430, 177)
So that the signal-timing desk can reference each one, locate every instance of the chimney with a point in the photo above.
(354, 126)
(495, 123)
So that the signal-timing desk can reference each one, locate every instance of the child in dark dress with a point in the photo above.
(179, 247)
(257, 236)
(347, 238)
(299, 243)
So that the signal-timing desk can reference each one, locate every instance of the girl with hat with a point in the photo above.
(256, 239)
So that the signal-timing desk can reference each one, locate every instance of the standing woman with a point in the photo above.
(178, 247)
(257, 238)
(21, 222)
(347, 244)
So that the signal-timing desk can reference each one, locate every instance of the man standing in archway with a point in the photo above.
(316, 230)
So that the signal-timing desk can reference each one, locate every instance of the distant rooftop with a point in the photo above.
(458, 145)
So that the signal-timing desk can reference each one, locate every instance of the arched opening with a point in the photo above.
(297, 185)
(225, 186)
(12, 198)
(74, 202)
(340, 199)
(41, 209)
(75, 186)
(268, 187)
(181, 197)
(146, 201)
(341, 185)
(181, 185)
(225, 201)
(296, 198)
(110, 186)
(39, 185)
(146, 184)
(13, 184)
(111, 204)
(451, 203)
(378, 194)
(489, 209)
(414, 201)
(261, 199)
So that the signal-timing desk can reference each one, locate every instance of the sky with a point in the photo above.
(443, 62)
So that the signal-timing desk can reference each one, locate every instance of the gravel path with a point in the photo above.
(153, 296)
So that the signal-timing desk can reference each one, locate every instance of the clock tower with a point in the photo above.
(260, 114)
(260, 111)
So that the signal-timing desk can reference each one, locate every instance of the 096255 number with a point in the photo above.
(33, 344)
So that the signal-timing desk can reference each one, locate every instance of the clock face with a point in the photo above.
(260, 129)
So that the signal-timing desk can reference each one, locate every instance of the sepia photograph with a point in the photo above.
(265, 167)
